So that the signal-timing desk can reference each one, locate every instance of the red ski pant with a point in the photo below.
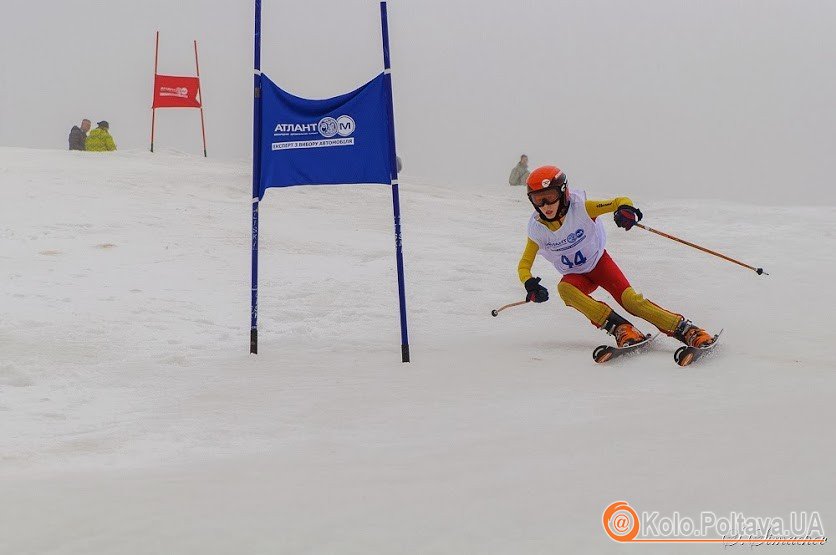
(575, 291)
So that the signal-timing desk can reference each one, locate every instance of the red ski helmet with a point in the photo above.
(547, 185)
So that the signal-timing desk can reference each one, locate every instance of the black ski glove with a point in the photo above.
(626, 216)
(536, 292)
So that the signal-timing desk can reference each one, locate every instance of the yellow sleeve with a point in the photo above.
(596, 208)
(527, 260)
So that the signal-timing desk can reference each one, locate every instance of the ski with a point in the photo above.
(687, 355)
(603, 353)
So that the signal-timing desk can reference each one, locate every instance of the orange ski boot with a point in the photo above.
(627, 334)
(692, 335)
(624, 332)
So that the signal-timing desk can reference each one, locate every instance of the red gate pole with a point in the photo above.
(200, 93)
(154, 94)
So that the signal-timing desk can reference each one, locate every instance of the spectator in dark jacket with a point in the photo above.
(78, 135)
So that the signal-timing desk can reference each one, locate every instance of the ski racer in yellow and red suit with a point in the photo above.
(566, 229)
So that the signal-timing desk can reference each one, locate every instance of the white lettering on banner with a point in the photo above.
(313, 144)
(327, 127)
(294, 127)
(345, 126)
(179, 92)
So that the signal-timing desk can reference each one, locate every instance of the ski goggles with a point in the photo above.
(545, 196)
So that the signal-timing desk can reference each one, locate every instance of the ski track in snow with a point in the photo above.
(135, 421)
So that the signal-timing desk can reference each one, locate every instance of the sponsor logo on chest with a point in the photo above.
(572, 240)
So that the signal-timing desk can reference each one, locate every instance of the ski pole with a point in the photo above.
(759, 271)
(496, 311)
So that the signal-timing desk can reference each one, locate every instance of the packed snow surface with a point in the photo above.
(134, 420)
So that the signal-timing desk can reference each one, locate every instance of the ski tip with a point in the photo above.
(686, 359)
(599, 350)
(686, 355)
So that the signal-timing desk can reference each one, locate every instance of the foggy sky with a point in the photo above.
(706, 98)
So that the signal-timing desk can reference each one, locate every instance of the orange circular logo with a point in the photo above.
(621, 522)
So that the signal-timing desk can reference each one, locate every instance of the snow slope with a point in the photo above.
(135, 421)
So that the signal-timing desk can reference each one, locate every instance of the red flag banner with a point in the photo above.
(172, 91)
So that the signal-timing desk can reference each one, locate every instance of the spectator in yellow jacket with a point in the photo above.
(99, 139)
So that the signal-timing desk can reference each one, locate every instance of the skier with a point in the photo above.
(567, 231)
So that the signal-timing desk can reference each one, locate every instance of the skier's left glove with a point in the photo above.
(535, 292)
(626, 216)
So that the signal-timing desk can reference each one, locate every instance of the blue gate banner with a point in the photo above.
(340, 140)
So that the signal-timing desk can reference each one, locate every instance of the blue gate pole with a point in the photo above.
(396, 204)
(256, 175)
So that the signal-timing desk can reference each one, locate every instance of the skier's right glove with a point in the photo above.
(536, 292)
(626, 216)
